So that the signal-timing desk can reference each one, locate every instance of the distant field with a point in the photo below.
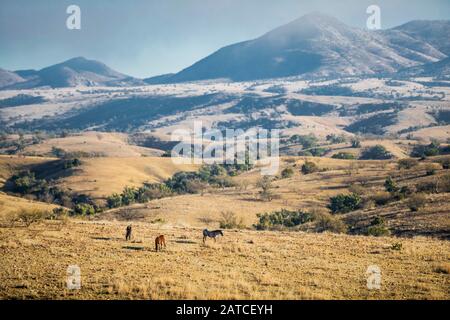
(97, 143)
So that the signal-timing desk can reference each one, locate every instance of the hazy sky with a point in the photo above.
(149, 37)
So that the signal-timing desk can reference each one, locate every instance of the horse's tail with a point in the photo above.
(156, 244)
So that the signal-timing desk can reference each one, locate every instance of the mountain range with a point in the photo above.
(71, 73)
(313, 46)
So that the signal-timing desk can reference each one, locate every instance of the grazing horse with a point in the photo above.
(212, 234)
(160, 241)
(128, 233)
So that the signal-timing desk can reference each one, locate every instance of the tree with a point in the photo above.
(309, 167)
(377, 152)
(287, 173)
(356, 143)
(344, 203)
(390, 185)
(114, 201)
(128, 195)
(265, 184)
(84, 209)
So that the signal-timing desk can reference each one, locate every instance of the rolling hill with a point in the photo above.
(78, 71)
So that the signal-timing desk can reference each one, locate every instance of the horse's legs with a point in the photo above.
(214, 239)
(204, 239)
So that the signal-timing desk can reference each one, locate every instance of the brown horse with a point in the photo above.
(160, 241)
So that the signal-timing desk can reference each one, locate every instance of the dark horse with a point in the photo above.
(212, 234)
(160, 241)
(128, 233)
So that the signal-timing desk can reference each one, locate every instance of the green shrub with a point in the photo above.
(430, 170)
(422, 151)
(128, 195)
(390, 185)
(287, 173)
(114, 201)
(84, 209)
(151, 191)
(24, 182)
(377, 221)
(377, 227)
(283, 218)
(307, 141)
(71, 163)
(344, 203)
(309, 167)
(378, 231)
(377, 152)
(397, 246)
(179, 181)
(313, 152)
(333, 138)
(344, 155)
(356, 143)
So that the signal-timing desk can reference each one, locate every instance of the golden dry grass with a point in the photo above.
(10, 204)
(9, 165)
(102, 143)
(243, 265)
(101, 177)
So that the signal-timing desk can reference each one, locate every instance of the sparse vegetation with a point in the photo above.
(266, 193)
(229, 220)
(326, 222)
(344, 155)
(287, 173)
(27, 217)
(378, 228)
(309, 167)
(280, 219)
(377, 152)
(344, 203)
(408, 163)
(416, 202)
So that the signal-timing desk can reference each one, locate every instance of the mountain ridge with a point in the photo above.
(71, 73)
(312, 46)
